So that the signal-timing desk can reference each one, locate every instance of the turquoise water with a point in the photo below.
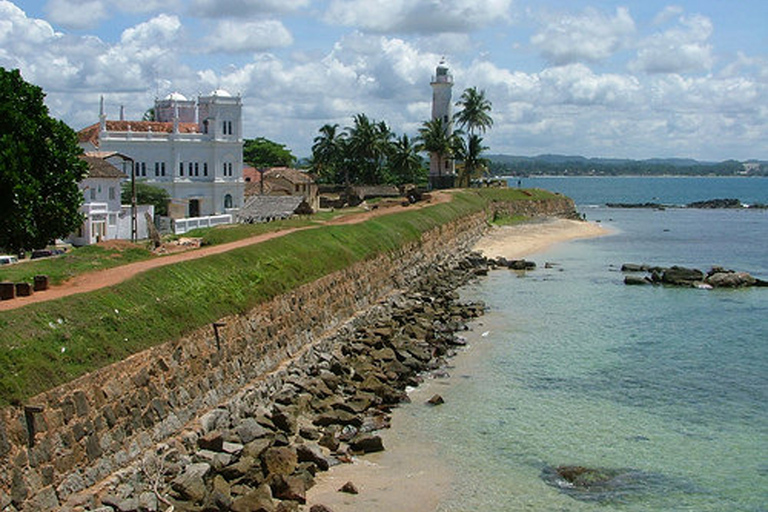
(576, 368)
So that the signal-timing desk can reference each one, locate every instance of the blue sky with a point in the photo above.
(632, 79)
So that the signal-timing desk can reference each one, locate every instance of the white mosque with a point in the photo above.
(192, 149)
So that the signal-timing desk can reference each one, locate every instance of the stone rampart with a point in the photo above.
(74, 436)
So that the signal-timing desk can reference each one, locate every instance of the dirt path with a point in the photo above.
(91, 281)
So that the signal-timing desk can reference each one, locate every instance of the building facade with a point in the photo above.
(193, 150)
(442, 169)
(104, 218)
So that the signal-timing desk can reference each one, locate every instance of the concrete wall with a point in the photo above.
(90, 428)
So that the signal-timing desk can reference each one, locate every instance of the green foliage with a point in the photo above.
(405, 163)
(475, 111)
(261, 152)
(39, 169)
(366, 153)
(146, 194)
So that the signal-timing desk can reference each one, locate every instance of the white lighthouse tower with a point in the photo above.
(441, 167)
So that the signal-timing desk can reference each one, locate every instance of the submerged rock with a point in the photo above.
(609, 485)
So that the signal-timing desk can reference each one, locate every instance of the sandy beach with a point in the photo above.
(409, 476)
(521, 240)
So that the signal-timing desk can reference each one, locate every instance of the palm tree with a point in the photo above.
(405, 164)
(328, 153)
(475, 111)
(434, 139)
(469, 153)
(369, 144)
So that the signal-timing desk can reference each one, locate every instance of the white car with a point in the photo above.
(8, 260)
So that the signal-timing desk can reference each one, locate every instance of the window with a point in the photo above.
(112, 219)
(191, 169)
(162, 168)
(227, 201)
(137, 168)
(112, 194)
(93, 194)
(143, 168)
(205, 168)
(181, 168)
(157, 169)
(197, 169)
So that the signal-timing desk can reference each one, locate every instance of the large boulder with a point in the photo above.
(681, 276)
(279, 460)
(730, 280)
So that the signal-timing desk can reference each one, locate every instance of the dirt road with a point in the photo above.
(91, 281)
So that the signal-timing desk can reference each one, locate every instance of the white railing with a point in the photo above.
(94, 208)
(181, 226)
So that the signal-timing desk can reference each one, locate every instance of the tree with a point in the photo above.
(328, 154)
(39, 169)
(147, 194)
(368, 145)
(433, 138)
(469, 154)
(405, 164)
(475, 111)
(261, 152)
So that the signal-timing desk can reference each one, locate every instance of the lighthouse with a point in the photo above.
(441, 167)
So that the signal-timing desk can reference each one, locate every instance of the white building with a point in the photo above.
(193, 150)
(104, 218)
(441, 168)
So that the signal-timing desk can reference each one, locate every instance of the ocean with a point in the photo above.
(666, 389)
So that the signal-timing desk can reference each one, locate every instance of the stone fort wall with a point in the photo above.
(74, 436)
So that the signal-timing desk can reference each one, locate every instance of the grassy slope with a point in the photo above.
(46, 344)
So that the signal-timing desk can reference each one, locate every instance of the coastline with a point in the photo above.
(409, 475)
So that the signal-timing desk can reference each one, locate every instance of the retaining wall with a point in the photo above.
(86, 430)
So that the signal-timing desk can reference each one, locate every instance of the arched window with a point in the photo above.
(227, 201)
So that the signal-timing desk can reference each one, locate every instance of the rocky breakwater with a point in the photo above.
(716, 277)
(325, 412)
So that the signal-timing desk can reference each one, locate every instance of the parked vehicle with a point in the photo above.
(45, 253)
(8, 260)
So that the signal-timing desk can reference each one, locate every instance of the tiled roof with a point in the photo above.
(100, 168)
(292, 175)
(91, 133)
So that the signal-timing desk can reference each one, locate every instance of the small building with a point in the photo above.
(104, 216)
(281, 182)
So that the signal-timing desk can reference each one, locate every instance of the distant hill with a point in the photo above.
(581, 166)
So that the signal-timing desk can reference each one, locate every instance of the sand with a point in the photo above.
(521, 240)
(409, 475)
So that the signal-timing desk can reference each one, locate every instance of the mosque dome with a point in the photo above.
(176, 96)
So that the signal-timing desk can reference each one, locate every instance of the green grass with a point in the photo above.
(77, 261)
(46, 344)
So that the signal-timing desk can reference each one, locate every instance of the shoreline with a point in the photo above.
(409, 475)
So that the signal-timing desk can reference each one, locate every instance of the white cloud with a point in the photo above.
(242, 8)
(232, 36)
(417, 16)
(681, 49)
(667, 14)
(590, 36)
(76, 14)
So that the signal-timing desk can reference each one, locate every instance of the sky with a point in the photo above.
(599, 78)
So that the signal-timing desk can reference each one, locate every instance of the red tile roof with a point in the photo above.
(91, 133)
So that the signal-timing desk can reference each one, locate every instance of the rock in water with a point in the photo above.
(436, 400)
(349, 488)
